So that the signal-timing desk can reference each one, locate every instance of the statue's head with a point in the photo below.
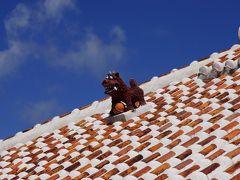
(112, 83)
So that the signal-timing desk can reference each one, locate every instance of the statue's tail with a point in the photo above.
(133, 83)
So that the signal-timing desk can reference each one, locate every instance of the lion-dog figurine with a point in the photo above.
(132, 97)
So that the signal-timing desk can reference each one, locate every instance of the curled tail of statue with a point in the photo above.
(133, 83)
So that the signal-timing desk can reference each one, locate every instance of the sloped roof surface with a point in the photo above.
(192, 131)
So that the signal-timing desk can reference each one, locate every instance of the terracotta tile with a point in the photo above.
(177, 93)
(236, 78)
(73, 160)
(164, 134)
(190, 142)
(171, 109)
(155, 147)
(125, 150)
(212, 128)
(162, 177)
(184, 154)
(94, 154)
(196, 122)
(145, 138)
(82, 175)
(124, 124)
(233, 168)
(196, 105)
(208, 149)
(136, 128)
(73, 166)
(123, 144)
(104, 155)
(98, 174)
(31, 170)
(173, 144)
(53, 177)
(212, 95)
(230, 126)
(142, 133)
(233, 153)
(135, 132)
(232, 86)
(204, 105)
(189, 170)
(236, 177)
(189, 82)
(121, 159)
(151, 157)
(175, 135)
(191, 104)
(210, 168)
(215, 118)
(184, 123)
(216, 111)
(142, 146)
(84, 168)
(184, 115)
(236, 57)
(161, 169)
(67, 178)
(161, 99)
(166, 156)
(216, 154)
(192, 99)
(236, 142)
(114, 143)
(162, 124)
(220, 82)
(235, 107)
(49, 163)
(15, 178)
(223, 76)
(142, 171)
(194, 131)
(233, 116)
(222, 101)
(205, 92)
(223, 57)
(135, 159)
(204, 111)
(103, 163)
(14, 167)
(223, 95)
(207, 140)
(128, 171)
(231, 135)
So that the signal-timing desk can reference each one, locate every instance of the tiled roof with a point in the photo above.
(192, 131)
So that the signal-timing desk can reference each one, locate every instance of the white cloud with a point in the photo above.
(55, 8)
(11, 58)
(17, 20)
(38, 32)
(93, 53)
(40, 111)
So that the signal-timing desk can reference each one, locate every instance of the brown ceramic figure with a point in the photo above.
(132, 97)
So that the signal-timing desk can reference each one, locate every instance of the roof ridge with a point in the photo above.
(103, 105)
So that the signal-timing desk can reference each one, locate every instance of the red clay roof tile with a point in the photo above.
(192, 128)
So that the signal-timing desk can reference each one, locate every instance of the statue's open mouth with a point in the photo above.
(109, 89)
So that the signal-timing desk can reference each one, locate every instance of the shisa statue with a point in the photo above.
(124, 98)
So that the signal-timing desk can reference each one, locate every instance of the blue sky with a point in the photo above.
(54, 54)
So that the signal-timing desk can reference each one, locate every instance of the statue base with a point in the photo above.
(130, 114)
